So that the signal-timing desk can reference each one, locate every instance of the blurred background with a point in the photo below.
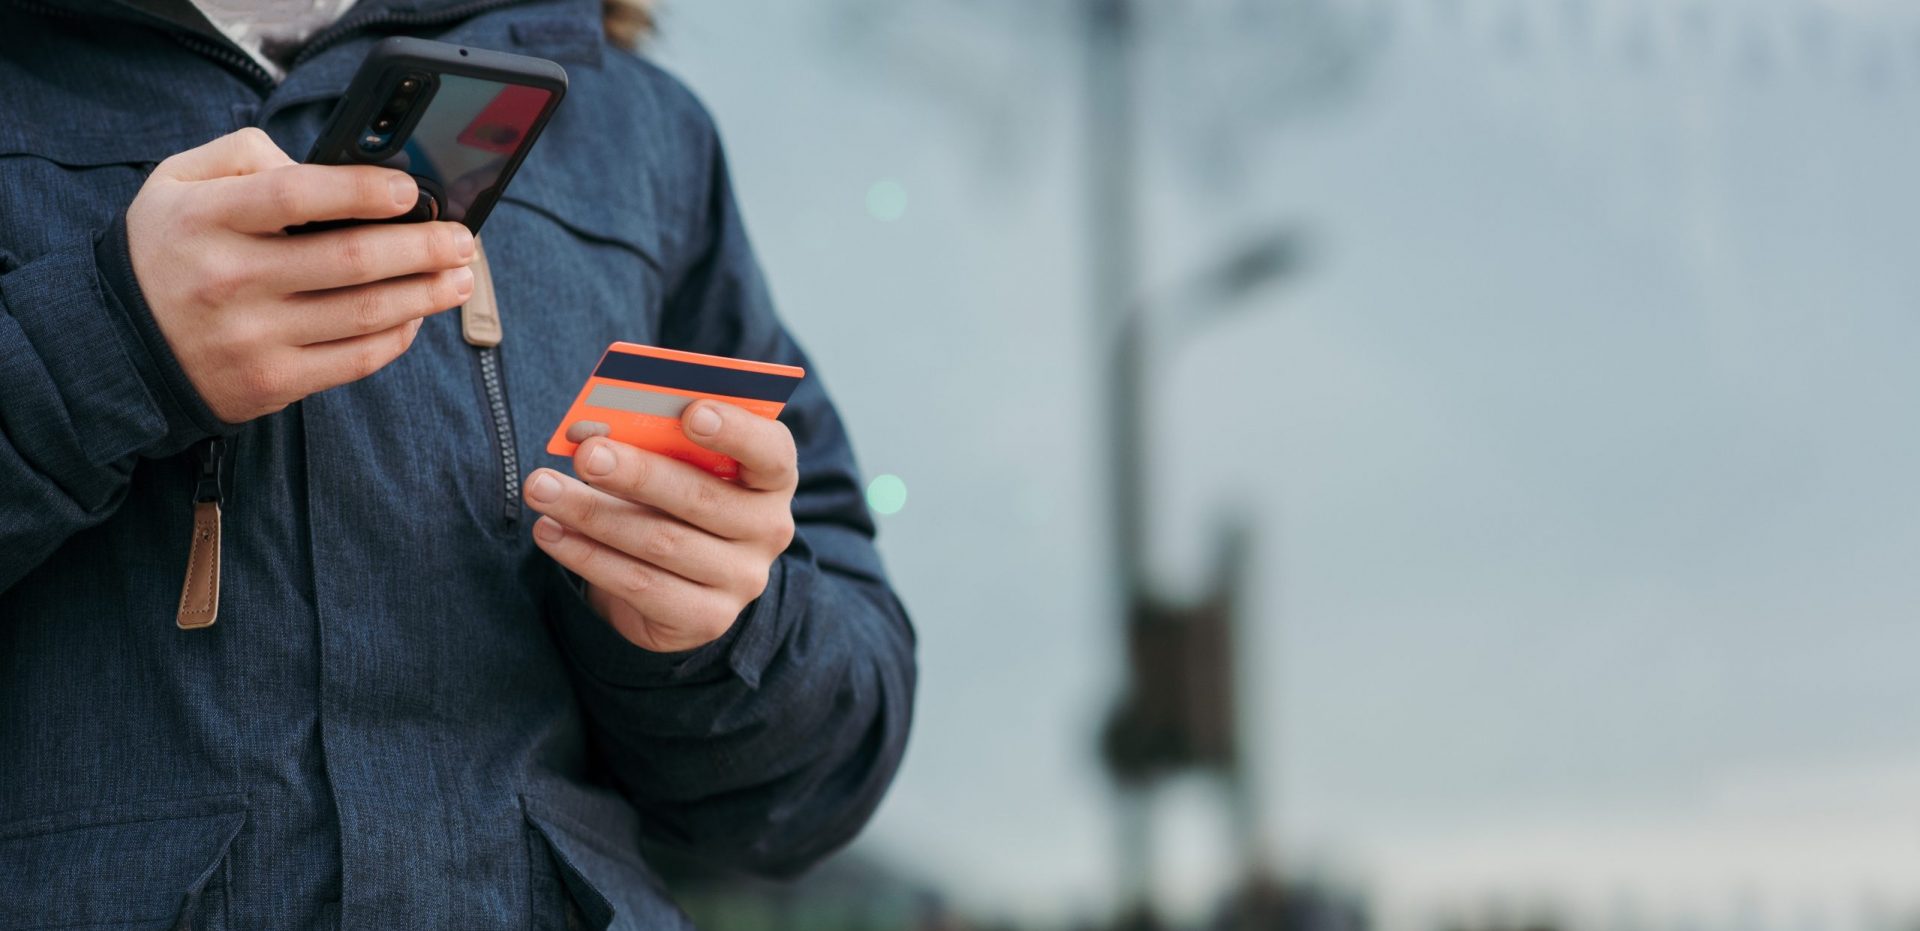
(1417, 465)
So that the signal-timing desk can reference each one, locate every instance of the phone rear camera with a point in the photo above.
(409, 85)
(383, 124)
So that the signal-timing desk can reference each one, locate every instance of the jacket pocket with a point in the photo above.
(120, 867)
(592, 878)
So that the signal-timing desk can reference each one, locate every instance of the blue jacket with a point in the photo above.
(406, 716)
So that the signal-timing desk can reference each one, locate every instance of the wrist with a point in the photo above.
(188, 416)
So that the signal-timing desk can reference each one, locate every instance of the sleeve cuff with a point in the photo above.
(187, 416)
(596, 648)
(96, 409)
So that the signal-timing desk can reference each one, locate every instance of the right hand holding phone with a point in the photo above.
(258, 318)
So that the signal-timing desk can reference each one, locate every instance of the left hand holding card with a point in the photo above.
(637, 393)
(671, 551)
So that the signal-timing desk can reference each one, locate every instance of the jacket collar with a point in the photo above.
(565, 24)
(566, 31)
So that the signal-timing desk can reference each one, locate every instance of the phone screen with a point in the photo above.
(468, 133)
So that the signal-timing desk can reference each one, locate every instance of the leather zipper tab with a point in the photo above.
(200, 592)
(480, 315)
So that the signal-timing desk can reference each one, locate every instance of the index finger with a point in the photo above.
(272, 200)
(681, 489)
(762, 445)
(242, 152)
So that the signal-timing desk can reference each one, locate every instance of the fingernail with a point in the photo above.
(548, 530)
(463, 281)
(599, 461)
(704, 421)
(544, 487)
(463, 241)
(405, 191)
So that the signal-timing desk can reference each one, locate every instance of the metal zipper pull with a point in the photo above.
(480, 315)
(200, 593)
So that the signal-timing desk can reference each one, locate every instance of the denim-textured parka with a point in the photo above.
(405, 716)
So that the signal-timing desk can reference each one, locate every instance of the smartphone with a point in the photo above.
(460, 120)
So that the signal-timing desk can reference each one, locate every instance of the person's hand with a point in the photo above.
(672, 553)
(259, 319)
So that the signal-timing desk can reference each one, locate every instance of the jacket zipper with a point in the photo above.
(480, 327)
(227, 55)
(495, 386)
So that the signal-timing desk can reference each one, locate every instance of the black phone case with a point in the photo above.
(339, 142)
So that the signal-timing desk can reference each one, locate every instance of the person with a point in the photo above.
(300, 627)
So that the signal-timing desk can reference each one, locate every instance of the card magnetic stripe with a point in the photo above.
(637, 400)
(702, 379)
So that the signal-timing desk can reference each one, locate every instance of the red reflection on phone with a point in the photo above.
(505, 120)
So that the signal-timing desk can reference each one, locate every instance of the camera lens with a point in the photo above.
(397, 106)
(383, 124)
(409, 85)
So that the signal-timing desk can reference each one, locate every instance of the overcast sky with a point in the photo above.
(1582, 455)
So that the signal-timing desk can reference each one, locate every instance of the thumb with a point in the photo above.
(237, 153)
(762, 445)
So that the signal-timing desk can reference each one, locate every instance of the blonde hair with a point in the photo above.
(627, 22)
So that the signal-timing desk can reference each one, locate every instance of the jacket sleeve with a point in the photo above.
(770, 747)
(87, 386)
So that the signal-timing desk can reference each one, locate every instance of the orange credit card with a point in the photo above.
(637, 393)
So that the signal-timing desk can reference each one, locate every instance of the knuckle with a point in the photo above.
(260, 380)
(191, 214)
(635, 580)
(663, 541)
(753, 579)
(588, 557)
(441, 293)
(422, 246)
(369, 359)
(244, 142)
(589, 510)
(373, 192)
(287, 196)
(253, 138)
(263, 147)
(400, 341)
(574, 551)
(640, 471)
(220, 279)
(719, 611)
(789, 453)
(366, 309)
(245, 333)
(780, 529)
(446, 244)
(352, 254)
(168, 167)
(401, 246)
(709, 497)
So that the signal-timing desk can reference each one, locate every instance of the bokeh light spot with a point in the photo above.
(886, 494)
(887, 200)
